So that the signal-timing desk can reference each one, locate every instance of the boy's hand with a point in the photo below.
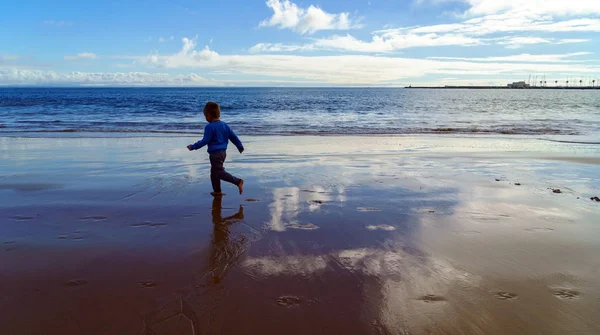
(189, 147)
(241, 150)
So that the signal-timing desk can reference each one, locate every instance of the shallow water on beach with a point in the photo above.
(333, 235)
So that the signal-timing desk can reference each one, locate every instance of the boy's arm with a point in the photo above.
(208, 132)
(236, 140)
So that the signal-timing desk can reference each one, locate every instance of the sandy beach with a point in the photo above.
(333, 235)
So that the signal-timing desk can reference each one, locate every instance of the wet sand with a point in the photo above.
(334, 235)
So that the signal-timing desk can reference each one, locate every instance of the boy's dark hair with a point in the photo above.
(212, 109)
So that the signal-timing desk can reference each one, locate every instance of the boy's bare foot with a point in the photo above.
(217, 194)
(241, 186)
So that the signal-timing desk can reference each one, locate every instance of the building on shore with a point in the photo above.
(519, 84)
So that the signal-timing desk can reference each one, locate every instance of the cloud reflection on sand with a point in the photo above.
(289, 202)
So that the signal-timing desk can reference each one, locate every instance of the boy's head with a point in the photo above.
(212, 111)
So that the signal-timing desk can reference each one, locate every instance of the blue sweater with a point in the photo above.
(216, 135)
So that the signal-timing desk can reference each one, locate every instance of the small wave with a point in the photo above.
(573, 142)
(503, 131)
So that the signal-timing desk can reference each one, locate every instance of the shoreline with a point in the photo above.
(572, 139)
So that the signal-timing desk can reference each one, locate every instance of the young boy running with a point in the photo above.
(217, 135)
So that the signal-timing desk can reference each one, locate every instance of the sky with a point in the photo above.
(298, 43)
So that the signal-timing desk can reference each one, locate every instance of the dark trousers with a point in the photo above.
(218, 173)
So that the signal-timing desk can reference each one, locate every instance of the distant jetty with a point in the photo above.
(507, 88)
(520, 85)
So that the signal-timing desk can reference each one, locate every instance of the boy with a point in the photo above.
(216, 135)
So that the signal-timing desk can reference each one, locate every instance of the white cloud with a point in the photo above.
(82, 56)
(287, 15)
(358, 69)
(572, 40)
(37, 77)
(508, 22)
(398, 39)
(552, 58)
(395, 41)
(187, 56)
(280, 47)
(480, 30)
(518, 42)
(556, 7)
(161, 39)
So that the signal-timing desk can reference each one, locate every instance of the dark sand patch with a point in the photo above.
(251, 200)
(76, 282)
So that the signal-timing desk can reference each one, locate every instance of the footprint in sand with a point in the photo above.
(381, 227)
(505, 296)
(564, 293)
(429, 298)
(320, 202)
(147, 284)
(288, 301)
(93, 218)
(539, 230)
(76, 282)
(367, 209)
(149, 224)
(308, 226)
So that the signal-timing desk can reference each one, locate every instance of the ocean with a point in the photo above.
(549, 114)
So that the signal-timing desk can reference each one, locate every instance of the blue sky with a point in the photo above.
(297, 43)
